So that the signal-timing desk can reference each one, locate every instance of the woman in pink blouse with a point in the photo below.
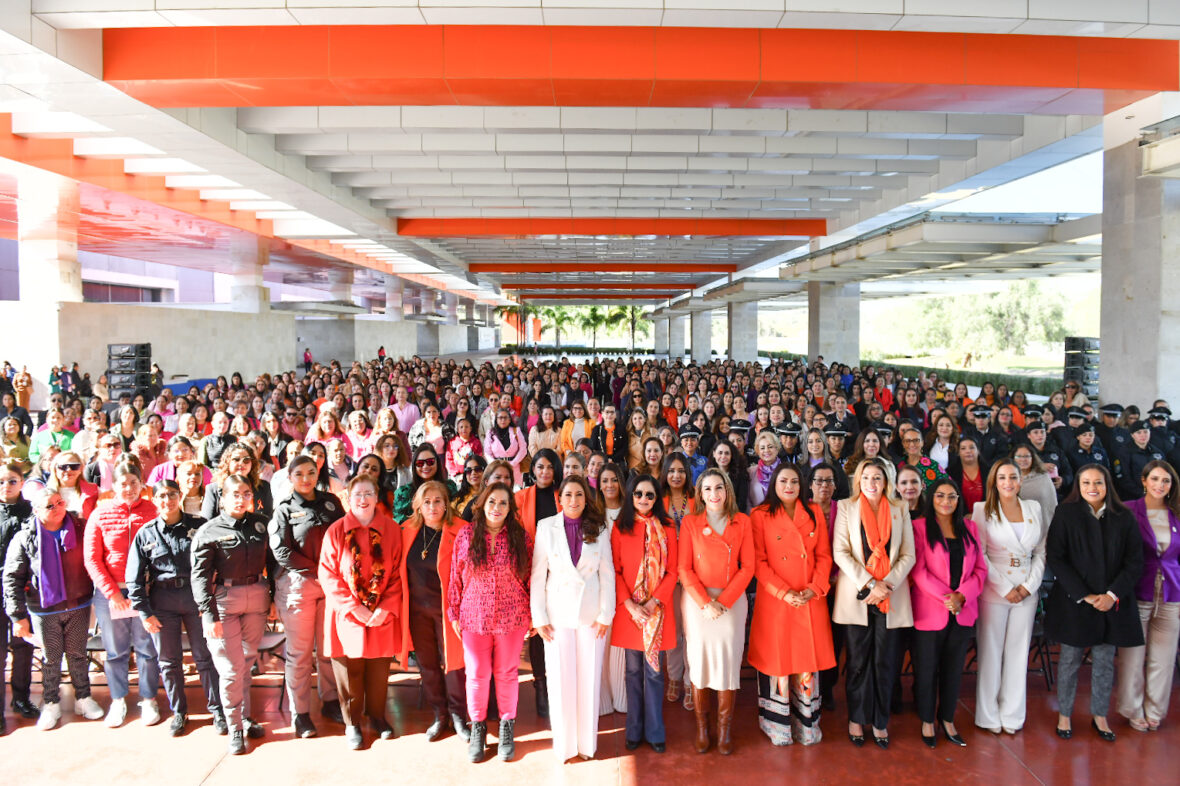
(488, 606)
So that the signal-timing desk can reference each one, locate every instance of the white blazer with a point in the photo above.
(566, 595)
(1011, 561)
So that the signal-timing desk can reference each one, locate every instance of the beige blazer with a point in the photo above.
(848, 552)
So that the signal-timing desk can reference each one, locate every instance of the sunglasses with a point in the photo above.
(469, 470)
(69, 467)
(643, 494)
(426, 462)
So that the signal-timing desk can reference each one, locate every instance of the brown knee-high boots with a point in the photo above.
(700, 697)
(725, 702)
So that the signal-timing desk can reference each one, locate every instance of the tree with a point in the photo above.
(632, 318)
(592, 319)
(559, 318)
(520, 313)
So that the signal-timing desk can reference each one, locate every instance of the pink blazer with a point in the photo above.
(931, 578)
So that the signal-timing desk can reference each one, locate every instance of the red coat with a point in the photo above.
(723, 561)
(791, 554)
(627, 551)
(109, 532)
(452, 645)
(344, 637)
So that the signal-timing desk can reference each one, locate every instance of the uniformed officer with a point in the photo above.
(1049, 453)
(1032, 414)
(992, 442)
(837, 438)
(739, 437)
(690, 439)
(842, 416)
(1115, 438)
(296, 534)
(230, 561)
(159, 567)
(1065, 437)
(1087, 449)
(788, 436)
(1163, 438)
(1141, 451)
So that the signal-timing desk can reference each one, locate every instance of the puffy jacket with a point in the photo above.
(109, 532)
(22, 570)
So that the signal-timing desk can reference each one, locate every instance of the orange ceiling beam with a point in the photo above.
(634, 66)
(628, 227)
(597, 285)
(604, 296)
(600, 267)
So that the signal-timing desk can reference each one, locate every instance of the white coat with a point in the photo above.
(1012, 562)
(566, 595)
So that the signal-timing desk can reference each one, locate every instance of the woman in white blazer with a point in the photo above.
(1012, 533)
(573, 603)
(872, 594)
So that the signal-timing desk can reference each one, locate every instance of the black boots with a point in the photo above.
(507, 746)
(477, 742)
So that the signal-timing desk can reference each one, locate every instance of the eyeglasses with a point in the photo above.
(362, 495)
(823, 482)
(643, 494)
(69, 467)
(168, 495)
(947, 497)
(54, 505)
(426, 462)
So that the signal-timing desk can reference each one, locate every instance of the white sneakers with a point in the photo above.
(149, 712)
(50, 715)
(88, 708)
(117, 713)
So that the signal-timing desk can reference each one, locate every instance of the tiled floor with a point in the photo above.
(87, 752)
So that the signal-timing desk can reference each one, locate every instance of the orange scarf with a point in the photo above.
(878, 529)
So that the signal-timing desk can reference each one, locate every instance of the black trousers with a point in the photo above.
(829, 678)
(537, 657)
(938, 669)
(872, 660)
(446, 692)
(22, 662)
(175, 609)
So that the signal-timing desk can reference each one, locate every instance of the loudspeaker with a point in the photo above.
(129, 351)
(129, 365)
(123, 380)
(1079, 344)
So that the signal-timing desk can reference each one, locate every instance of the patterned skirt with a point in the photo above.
(793, 717)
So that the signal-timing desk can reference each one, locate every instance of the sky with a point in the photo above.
(1072, 187)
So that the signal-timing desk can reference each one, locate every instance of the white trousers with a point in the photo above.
(1145, 673)
(573, 668)
(1002, 642)
(613, 694)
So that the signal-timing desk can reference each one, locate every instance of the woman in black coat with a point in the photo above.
(1095, 552)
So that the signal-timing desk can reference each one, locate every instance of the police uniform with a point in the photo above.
(992, 442)
(1130, 481)
(1115, 439)
(788, 429)
(296, 533)
(229, 569)
(1079, 457)
(1051, 454)
(159, 569)
(1163, 438)
(1066, 438)
(697, 462)
(743, 427)
(848, 424)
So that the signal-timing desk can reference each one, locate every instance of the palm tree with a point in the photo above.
(519, 312)
(633, 318)
(592, 319)
(559, 318)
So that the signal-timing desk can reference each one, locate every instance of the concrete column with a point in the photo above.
(676, 337)
(469, 311)
(340, 286)
(394, 292)
(743, 331)
(249, 256)
(833, 322)
(451, 308)
(47, 240)
(1140, 323)
(661, 332)
(702, 336)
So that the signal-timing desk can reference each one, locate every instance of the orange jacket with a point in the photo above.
(627, 552)
(526, 506)
(791, 554)
(452, 646)
(723, 561)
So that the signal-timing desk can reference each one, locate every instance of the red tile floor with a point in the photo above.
(85, 752)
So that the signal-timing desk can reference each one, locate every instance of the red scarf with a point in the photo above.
(878, 527)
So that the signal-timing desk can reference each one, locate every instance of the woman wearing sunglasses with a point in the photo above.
(80, 496)
(425, 465)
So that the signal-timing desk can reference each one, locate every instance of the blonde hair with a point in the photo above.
(731, 506)
(888, 493)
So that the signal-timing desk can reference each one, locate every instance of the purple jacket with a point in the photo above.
(1153, 561)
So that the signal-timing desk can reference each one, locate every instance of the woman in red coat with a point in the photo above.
(716, 564)
(791, 633)
(428, 540)
(360, 572)
(643, 545)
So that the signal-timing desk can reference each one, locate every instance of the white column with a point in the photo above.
(702, 336)
(1139, 323)
(394, 291)
(249, 256)
(743, 331)
(340, 286)
(47, 240)
(661, 332)
(833, 322)
(451, 308)
(676, 337)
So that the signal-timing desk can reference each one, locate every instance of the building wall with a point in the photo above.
(330, 338)
(452, 339)
(400, 339)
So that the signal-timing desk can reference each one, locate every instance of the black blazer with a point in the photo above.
(1092, 556)
(621, 446)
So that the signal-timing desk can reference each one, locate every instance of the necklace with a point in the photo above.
(428, 543)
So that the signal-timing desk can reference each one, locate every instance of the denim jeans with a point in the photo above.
(645, 696)
(118, 637)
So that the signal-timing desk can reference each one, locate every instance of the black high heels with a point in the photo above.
(1106, 735)
(954, 739)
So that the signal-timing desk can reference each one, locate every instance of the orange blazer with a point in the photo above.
(627, 552)
(791, 554)
(526, 506)
(452, 646)
(720, 561)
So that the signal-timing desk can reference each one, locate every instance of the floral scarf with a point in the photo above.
(367, 591)
(765, 471)
(651, 571)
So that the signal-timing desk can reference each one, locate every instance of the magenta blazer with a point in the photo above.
(931, 579)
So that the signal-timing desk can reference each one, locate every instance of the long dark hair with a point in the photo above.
(549, 455)
(662, 487)
(737, 461)
(439, 472)
(1112, 497)
(517, 537)
(465, 487)
(593, 519)
(934, 536)
(625, 523)
(1172, 500)
(773, 504)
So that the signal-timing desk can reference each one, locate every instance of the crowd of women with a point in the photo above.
(642, 529)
